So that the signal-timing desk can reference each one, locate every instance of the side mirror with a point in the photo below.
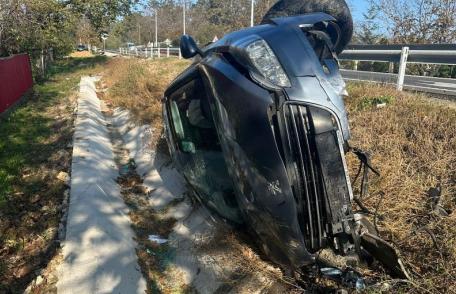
(188, 47)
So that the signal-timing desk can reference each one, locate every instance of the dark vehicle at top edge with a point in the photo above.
(81, 47)
(257, 126)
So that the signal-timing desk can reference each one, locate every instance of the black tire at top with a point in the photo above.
(336, 8)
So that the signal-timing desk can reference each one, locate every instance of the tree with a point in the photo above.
(369, 27)
(100, 13)
(419, 21)
(34, 25)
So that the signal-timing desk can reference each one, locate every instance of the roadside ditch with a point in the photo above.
(182, 248)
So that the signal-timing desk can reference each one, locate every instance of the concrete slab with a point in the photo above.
(99, 250)
(194, 225)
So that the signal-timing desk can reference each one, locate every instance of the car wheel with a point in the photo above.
(336, 8)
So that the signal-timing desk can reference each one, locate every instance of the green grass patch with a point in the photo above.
(25, 132)
(373, 101)
(33, 150)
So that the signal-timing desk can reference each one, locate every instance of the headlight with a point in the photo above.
(267, 64)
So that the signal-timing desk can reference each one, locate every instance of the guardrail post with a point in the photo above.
(180, 54)
(159, 51)
(402, 67)
(391, 67)
(167, 52)
(355, 65)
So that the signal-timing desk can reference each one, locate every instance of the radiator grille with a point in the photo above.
(309, 142)
(299, 150)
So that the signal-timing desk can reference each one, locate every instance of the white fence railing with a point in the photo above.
(149, 52)
(402, 54)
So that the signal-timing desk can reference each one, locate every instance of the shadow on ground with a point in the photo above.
(35, 140)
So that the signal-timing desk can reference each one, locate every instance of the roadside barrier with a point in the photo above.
(15, 79)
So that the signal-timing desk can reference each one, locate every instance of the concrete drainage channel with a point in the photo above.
(182, 248)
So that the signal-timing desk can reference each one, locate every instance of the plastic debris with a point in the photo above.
(347, 277)
(157, 239)
(64, 177)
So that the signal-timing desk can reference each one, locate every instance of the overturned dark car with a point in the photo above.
(257, 126)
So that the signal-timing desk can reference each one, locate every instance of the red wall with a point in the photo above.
(15, 79)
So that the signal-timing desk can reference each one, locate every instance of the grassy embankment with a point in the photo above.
(413, 144)
(412, 141)
(35, 147)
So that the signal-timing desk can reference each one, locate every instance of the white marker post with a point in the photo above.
(402, 67)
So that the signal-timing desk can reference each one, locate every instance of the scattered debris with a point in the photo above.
(64, 177)
(39, 280)
(347, 277)
(157, 239)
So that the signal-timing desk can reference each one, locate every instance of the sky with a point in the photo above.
(358, 7)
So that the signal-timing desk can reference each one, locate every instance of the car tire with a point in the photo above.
(336, 8)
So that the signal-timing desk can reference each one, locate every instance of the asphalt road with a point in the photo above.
(440, 86)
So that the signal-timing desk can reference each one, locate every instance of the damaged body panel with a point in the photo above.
(258, 127)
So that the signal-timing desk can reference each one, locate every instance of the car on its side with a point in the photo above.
(258, 128)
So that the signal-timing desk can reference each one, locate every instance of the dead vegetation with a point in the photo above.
(81, 54)
(412, 141)
(138, 85)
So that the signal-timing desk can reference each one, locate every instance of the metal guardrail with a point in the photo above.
(394, 55)
(402, 54)
(149, 52)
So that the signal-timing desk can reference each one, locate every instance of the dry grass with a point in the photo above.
(138, 85)
(413, 143)
(81, 54)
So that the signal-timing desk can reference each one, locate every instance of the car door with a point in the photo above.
(195, 147)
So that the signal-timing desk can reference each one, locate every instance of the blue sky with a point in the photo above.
(358, 7)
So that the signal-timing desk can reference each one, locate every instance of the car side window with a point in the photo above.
(191, 119)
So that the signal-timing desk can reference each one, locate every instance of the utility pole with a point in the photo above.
(252, 13)
(139, 34)
(156, 27)
(184, 15)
